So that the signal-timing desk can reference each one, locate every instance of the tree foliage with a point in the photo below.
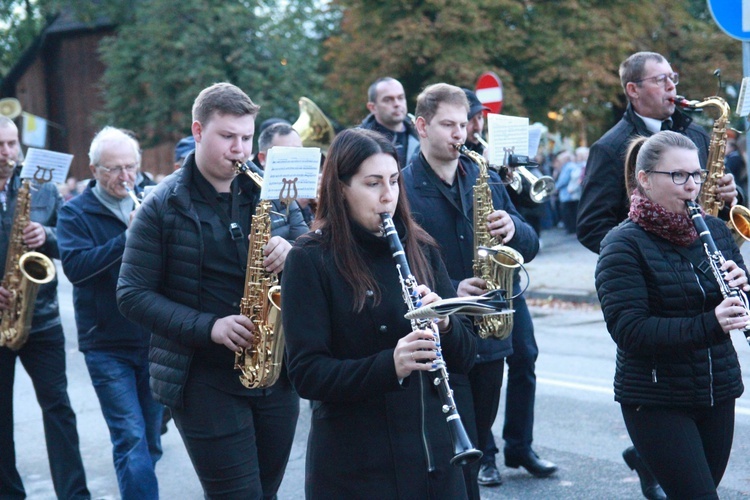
(553, 55)
(22, 22)
(169, 51)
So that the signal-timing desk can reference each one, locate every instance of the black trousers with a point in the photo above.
(239, 445)
(43, 357)
(686, 449)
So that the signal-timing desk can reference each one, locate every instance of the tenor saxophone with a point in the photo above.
(496, 268)
(25, 271)
(260, 364)
(739, 216)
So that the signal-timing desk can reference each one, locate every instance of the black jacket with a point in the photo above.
(671, 350)
(370, 436)
(161, 276)
(370, 123)
(604, 202)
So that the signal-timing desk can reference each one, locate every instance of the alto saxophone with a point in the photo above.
(498, 267)
(739, 216)
(260, 364)
(25, 271)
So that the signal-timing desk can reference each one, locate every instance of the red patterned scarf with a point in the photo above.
(654, 218)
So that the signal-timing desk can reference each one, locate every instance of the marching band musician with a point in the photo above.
(650, 86)
(378, 430)
(386, 101)
(182, 277)
(43, 354)
(92, 230)
(677, 375)
(439, 184)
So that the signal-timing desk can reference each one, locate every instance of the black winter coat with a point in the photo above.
(671, 350)
(370, 436)
(604, 202)
(160, 280)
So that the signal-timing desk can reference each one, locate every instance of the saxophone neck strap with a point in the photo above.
(231, 220)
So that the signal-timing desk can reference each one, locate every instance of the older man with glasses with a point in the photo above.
(92, 230)
(650, 87)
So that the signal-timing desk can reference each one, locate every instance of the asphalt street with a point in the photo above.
(578, 425)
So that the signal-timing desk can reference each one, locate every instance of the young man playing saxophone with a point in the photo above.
(439, 185)
(182, 277)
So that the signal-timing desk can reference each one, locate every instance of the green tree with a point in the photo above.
(169, 51)
(21, 23)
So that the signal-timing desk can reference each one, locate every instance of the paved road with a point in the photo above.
(578, 425)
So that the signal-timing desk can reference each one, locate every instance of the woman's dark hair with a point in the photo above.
(348, 151)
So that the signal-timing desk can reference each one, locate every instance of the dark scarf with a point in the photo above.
(654, 218)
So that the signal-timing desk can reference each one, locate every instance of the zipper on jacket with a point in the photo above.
(710, 376)
(425, 441)
(653, 375)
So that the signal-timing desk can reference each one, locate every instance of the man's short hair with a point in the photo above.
(633, 67)
(269, 133)
(436, 94)
(372, 91)
(225, 99)
(108, 135)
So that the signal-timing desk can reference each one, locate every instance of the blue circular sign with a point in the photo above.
(732, 16)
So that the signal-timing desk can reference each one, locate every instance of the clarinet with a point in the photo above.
(716, 259)
(464, 452)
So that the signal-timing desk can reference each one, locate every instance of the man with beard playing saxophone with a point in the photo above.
(182, 277)
(43, 354)
(439, 184)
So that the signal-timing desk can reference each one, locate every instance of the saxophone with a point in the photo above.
(25, 271)
(739, 216)
(498, 268)
(260, 364)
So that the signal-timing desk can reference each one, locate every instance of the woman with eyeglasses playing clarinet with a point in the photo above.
(677, 375)
(378, 430)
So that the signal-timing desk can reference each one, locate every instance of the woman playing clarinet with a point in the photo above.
(378, 429)
(677, 375)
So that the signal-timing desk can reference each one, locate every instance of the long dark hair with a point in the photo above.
(348, 151)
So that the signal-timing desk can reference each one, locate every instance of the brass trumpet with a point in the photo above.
(540, 187)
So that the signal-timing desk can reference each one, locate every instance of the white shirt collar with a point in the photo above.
(652, 124)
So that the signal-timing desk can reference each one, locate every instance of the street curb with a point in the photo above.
(575, 296)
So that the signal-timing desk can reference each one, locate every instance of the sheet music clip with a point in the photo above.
(491, 303)
(235, 230)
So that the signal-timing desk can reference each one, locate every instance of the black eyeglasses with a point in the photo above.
(679, 177)
(662, 79)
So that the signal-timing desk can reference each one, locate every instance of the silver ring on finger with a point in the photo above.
(412, 357)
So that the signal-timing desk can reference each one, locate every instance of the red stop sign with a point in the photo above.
(489, 91)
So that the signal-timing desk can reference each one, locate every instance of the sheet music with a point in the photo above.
(535, 137)
(42, 165)
(291, 173)
(507, 134)
(743, 101)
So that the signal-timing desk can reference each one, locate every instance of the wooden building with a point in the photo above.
(57, 78)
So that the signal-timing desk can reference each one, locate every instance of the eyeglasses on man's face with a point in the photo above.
(662, 79)
(120, 169)
(680, 177)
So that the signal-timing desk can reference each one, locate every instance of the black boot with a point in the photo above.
(649, 485)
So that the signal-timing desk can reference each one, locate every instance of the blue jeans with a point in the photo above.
(120, 378)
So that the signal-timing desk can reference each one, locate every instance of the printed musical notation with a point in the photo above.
(507, 134)
(42, 165)
(291, 173)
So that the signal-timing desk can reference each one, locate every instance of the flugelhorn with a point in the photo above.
(464, 452)
(540, 188)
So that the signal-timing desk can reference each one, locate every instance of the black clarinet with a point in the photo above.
(464, 452)
(716, 259)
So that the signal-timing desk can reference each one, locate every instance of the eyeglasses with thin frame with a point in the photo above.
(680, 178)
(662, 79)
(119, 169)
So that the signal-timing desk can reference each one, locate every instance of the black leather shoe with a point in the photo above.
(649, 485)
(489, 475)
(532, 463)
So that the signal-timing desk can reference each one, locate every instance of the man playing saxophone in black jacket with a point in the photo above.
(182, 277)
